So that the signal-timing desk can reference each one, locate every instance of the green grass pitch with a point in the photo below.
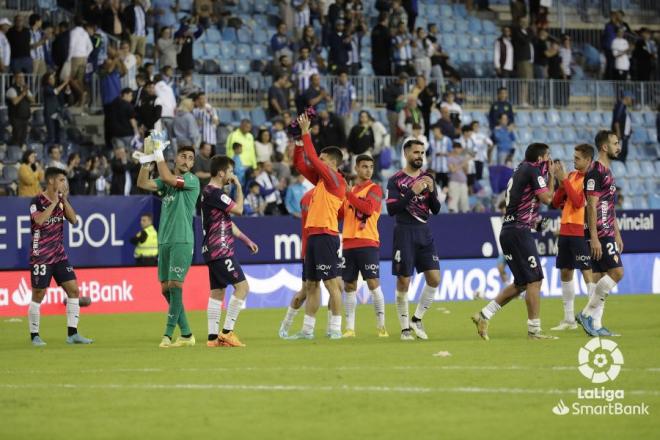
(125, 387)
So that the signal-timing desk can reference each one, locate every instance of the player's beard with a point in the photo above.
(613, 156)
(417, 163)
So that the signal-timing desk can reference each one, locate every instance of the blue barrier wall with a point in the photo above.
(101, 238)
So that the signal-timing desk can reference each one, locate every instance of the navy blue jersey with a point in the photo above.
(522, 204)
(405, 205)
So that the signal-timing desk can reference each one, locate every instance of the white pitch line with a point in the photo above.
(313, 388)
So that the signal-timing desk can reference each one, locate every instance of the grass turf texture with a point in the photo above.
(124, 386)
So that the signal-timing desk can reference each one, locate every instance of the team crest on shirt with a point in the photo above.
(591, 184)
(616, 259)
(33, 208)
(541, 181)
(225, 199)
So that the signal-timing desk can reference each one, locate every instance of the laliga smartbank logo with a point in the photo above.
(600, 361)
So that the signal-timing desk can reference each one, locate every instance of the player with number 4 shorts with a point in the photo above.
(48, 259)
(218, 251)
(411, 198)
(529, 185)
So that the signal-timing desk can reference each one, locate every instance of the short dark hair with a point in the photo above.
(502, 88)
(52, 147)
(33, 19)
(126, 91)
(535, 150)
(26, 156)
(335, 153)
(236, 145)
(466, 127)
(409, 144)
(362, 158)
(603, 137)
(586, 150)
(53, 172)
(184, 148)
(220, 163)
(416, 126)
(148, 215)
(472, 124)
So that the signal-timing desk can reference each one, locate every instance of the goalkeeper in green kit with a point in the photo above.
(179, 193)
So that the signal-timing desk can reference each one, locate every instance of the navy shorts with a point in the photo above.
(224, 272)
(413, 249)
(573, 253)
(611, 257)
(364, 260)
(521, 255)
(41, 274)
(322, 260)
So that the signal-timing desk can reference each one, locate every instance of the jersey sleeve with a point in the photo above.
(538, 182)
(159, 184)
(36, 207)
(219, 200)
(396, 201)
(592, 183)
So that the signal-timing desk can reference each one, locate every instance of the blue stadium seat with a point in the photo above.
(595, 118)
(211, 67)
(464, 56)
(446, 27)
(522, 119)
(259, 52)
(581, 119)
(619, 169)
(476, 41)
(199, 50)
(449, 41)
(243, 35)
(479, 56)
(242, 66)
(652, 135)
(213, 35)
(228, 50)
(461, 27)
(463, 42)
(637, 118)
(524, 136)
(649, 119)
(657, 167)
(212, 50)
(258, 116)
(489, 27)
(607, 118)
(225, 116)
(445, 11)
(552, 117)
(245, 6)
(229, 34)
(654, 201)
(227, 66)
(569, 134)
(14, 153)
(260, 35)
(474, 25)
(243, 51)
(566, 117)
(240, 114)
(554, 136)
(460, 10)
(639, 136)
(557, 152)
(633, 168)
(540, 135)
(260, 6)
(367, 69)
(641, 202)
(538, 119)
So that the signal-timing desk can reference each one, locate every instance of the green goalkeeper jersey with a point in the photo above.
(177, 210)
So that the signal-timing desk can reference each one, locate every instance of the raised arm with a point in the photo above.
(237, 208)
(302, 165)
(328, 176)
(143, 181)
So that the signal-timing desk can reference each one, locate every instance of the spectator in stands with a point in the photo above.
(294, 194)
(278, 96)
(455, 110)
(555, 71)
(410, 6)
(621, 53)
(19, 40)
(5, 47)
(130, 63)
(381, 42)
(394, 98)
(167, 101)
(518, 10)
(302, 16)
(282, 67)
(402, 51)
(19, 99)
(187, 87)
(37, 45)
(186, 130)
(49, 34)
(207, 119)
(502, 105)
(439, 148)
(111, 19)
(483, 147)
(135, 18)
(458, 163)
(607, 37)
(315, 96)
(344, 96)
(98, 173)
(168, 48)
(202, 166)
(339, 43)
(53, 108)
(280, 43)
(30, 175)
(146, 242)
(644, 57)
(422, 51)
(254, 202)
(622, 124)
(361, 139)
(428, 98)
(148, 71)
(270, 190)
(398, 15)
(523, 51)
(503, 54)
(409, 115)
(80, 47)
(123, 121)
(243, 136)
(439, 59)
(332, 131)
(77, 175)
(263, 146)
(121, 166)
(279, 136)
(446, 124)
(148, 112)
(504, 139)
(55, 157)
(303, 70)
(60, 45)
(110, 81)
(239, 169)
(566, 55)
(186, 36)
(281, 170)
(310, 40)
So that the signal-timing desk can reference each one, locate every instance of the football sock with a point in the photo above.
(568, 297)
(598, 315)
(490, 309)
(402, 309)
(379, 306)
(290, 315)
(350, 302)
(534, 325)
(34, 315)
(603, 287)
(425, 301)
(591, 288)
(233, 309)
(72, 314)
(183, 319)
(327, 324)
(335, 323)
(213, 312)
(174, 311)
(308, 324)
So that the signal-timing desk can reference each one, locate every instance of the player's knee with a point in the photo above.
(402, 284)
(566, 275)
(350, 286)
(373, 283)
(218, 294)
(616, 274)
(38, 295)
(174, 285)
(73, 292)
(433, 279)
